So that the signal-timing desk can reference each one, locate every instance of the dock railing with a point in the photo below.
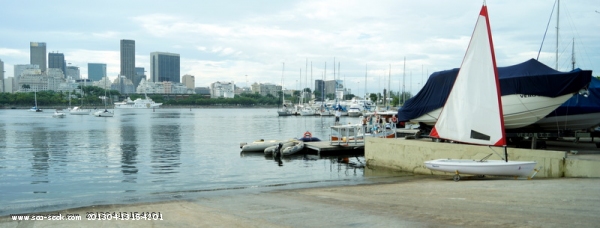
(354, 134)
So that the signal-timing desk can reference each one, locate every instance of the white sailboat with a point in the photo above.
(105, 112)
(473, 111)
(35, 108)
(77, 110)
(285, 110)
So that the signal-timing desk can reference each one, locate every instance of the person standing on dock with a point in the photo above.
(338, 113)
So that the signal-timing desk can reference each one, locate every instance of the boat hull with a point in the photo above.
(103, 114)
(488, 167)
(298, 146)
(259, 145)
(519, 110)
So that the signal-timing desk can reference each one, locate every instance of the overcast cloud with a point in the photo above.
(248, 41)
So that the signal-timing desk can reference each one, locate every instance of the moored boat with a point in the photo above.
(138, 103)
(530, 91)
(258, 145)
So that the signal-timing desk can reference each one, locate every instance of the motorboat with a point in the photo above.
(473, 111)
(104, 113)
(530, 91)
(78, 111)
(138, 103)
(59, 114)
(581, 112)
(35, 109)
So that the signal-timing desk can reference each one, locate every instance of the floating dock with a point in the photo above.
(327, 147)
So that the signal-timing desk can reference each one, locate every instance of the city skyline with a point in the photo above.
(247, 42)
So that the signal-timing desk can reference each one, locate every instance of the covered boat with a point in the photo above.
(530, 91)
(581, 112)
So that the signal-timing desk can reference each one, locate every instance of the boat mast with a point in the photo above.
(557, 23)
(403, 80)
(573, 55)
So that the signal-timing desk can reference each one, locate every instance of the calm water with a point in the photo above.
(145, 155)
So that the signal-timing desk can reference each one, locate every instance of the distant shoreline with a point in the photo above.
(161, 107)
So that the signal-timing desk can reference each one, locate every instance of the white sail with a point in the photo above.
(473, 111)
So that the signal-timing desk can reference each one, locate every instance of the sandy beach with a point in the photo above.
(420, 201)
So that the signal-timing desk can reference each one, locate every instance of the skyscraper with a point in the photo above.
(37, 54)
(164, 67)
(57, 60)
(128, 59)
(96, 71)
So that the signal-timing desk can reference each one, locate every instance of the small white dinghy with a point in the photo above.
(273, 149)
(297, 146)
(258, 145)
(473, 111)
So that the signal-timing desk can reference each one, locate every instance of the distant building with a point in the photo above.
(128, 59)
(37, 54)
(57, 61)
(165, 87)
(96, 71)
(222, 89)
(73, 72)
(265, 89)
(9, 85)
(18, 70)
(205, 91)
(123, 85)
(140, 73)
(189, 81)
(320, 89)
(104, 83)
(164, 67)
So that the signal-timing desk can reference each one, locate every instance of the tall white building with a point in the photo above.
(222, 89)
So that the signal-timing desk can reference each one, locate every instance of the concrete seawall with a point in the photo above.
(410, 155)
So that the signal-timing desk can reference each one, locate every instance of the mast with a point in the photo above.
(403, 80)
(557, 24)
(573, 55)
(365, 81)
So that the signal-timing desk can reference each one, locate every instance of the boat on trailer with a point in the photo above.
(472, 113)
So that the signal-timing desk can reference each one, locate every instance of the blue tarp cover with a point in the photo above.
(528, 78)
(580, 104)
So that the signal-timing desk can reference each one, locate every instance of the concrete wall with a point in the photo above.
(410, 155)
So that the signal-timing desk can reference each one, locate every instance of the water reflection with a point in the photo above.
(128, 153)
(165, 147)
(39, 161)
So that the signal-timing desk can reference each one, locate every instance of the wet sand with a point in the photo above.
(421, 201)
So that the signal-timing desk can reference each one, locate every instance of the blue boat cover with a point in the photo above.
(528, 78)
(580, 104)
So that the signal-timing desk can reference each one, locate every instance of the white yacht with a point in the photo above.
(137, 103)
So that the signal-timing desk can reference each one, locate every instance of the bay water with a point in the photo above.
(147, 155)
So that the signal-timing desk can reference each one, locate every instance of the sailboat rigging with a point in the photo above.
(105, 112)
(473, 110)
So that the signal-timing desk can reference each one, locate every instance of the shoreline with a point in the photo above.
(413, 201)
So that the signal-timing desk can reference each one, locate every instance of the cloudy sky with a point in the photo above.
(249, 41)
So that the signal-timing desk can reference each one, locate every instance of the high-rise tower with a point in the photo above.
(165, 67)
(57, 60)
(128, 59)
(37, 54)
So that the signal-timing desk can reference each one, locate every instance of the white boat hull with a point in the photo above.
(298, 146)
(488, 167)
(519, 110)
(259, 145)
(103, 114)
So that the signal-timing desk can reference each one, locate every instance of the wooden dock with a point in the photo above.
(328, 147)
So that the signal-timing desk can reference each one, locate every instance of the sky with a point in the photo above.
(375, 44)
